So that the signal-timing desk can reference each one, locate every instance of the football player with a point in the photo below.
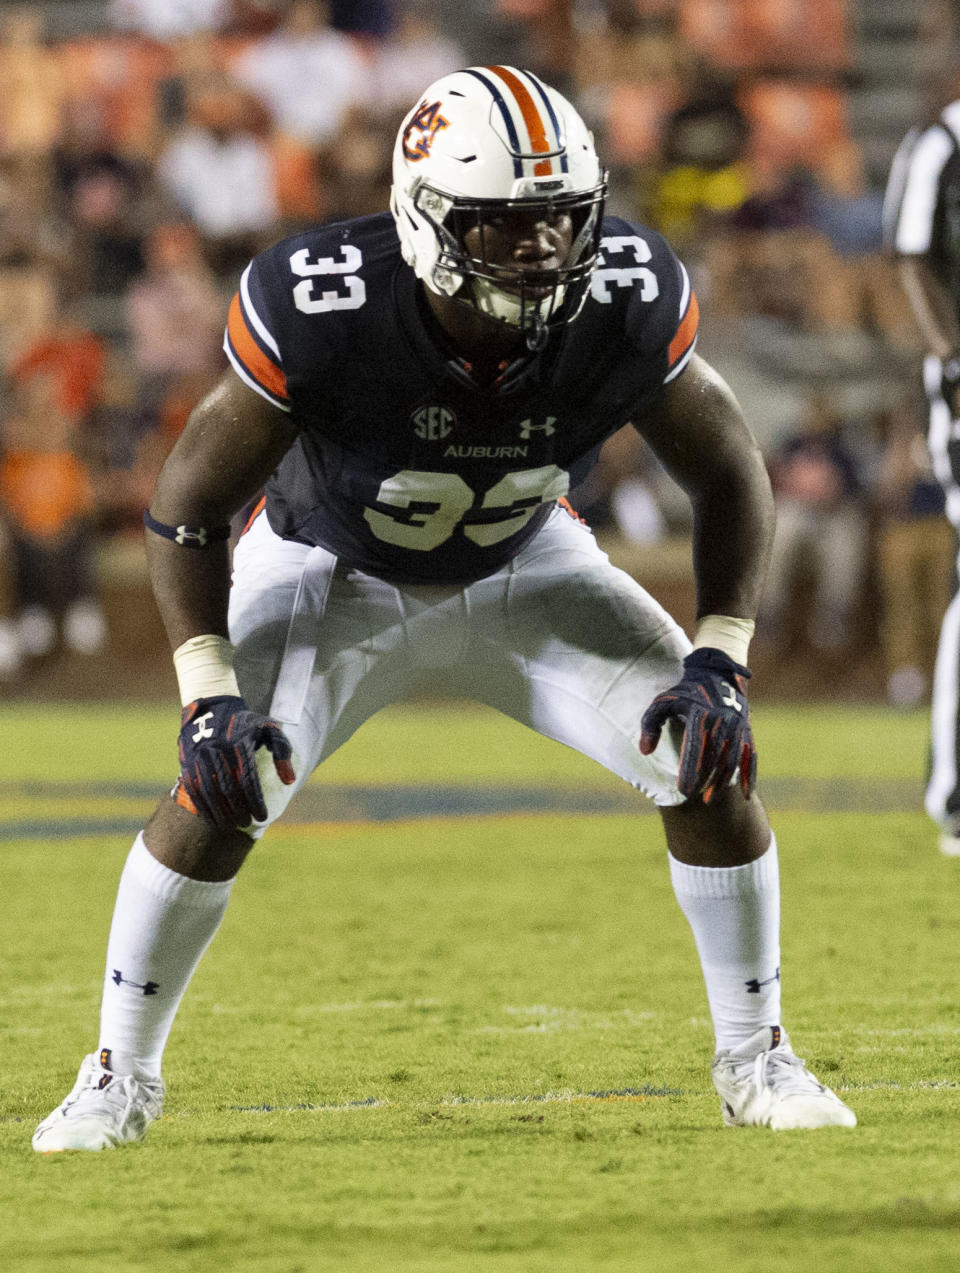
(417, 391)
(921, 232)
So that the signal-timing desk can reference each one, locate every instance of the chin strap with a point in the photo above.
(537, 337)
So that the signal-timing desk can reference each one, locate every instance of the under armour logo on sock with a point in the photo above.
(148, 987)
(753, 985)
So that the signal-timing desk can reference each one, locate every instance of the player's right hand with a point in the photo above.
(218, 742)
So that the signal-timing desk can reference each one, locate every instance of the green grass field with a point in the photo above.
(474, 1037)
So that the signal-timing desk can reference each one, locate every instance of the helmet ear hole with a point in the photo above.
(482, 142)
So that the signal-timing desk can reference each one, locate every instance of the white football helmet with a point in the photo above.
(482, 141)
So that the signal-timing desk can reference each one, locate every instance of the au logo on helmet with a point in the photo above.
(419, 134)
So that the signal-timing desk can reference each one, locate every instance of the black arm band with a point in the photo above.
(950, 376)
(187, 536)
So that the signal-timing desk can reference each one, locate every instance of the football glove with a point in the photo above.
(219, 737)
(711, 704)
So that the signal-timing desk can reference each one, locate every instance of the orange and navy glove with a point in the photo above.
(710, 702)
(219, 737)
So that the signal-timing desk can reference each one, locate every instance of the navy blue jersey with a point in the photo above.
(405, 468)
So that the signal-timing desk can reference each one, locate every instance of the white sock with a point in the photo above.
(734, 912)
(162, 924)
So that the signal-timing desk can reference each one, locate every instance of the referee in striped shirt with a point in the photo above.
(922, 229)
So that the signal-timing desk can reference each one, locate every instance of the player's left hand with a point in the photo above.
(711, 704)
(219, 737)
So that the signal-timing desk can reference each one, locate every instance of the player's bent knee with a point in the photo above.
(730, 831)
(192, 846)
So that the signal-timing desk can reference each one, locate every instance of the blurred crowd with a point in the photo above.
(148, 153)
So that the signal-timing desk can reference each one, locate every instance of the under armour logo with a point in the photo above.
(527, 427)
(148, 987)
(204, 728)
(730, 698)
(753, 985)
(185, 535)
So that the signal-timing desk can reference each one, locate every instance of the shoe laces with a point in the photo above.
(783, 1070)
(118, 1095)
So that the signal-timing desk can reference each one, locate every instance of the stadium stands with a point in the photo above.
(756, 133)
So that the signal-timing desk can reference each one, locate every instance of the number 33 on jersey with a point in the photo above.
(402, 465)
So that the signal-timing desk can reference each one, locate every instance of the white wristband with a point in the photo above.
(204, 666)
(727, 633)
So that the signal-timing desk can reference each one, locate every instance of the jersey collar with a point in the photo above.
(430, 344)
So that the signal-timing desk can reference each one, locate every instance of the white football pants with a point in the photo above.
(559, 639)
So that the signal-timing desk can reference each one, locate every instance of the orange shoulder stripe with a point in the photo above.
(262, 368)
(685, 332)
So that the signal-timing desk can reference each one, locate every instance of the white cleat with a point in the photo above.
(950, 844)
(763, 1084)
(103, 1110)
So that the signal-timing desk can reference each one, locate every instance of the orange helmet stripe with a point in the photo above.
(531, 117)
